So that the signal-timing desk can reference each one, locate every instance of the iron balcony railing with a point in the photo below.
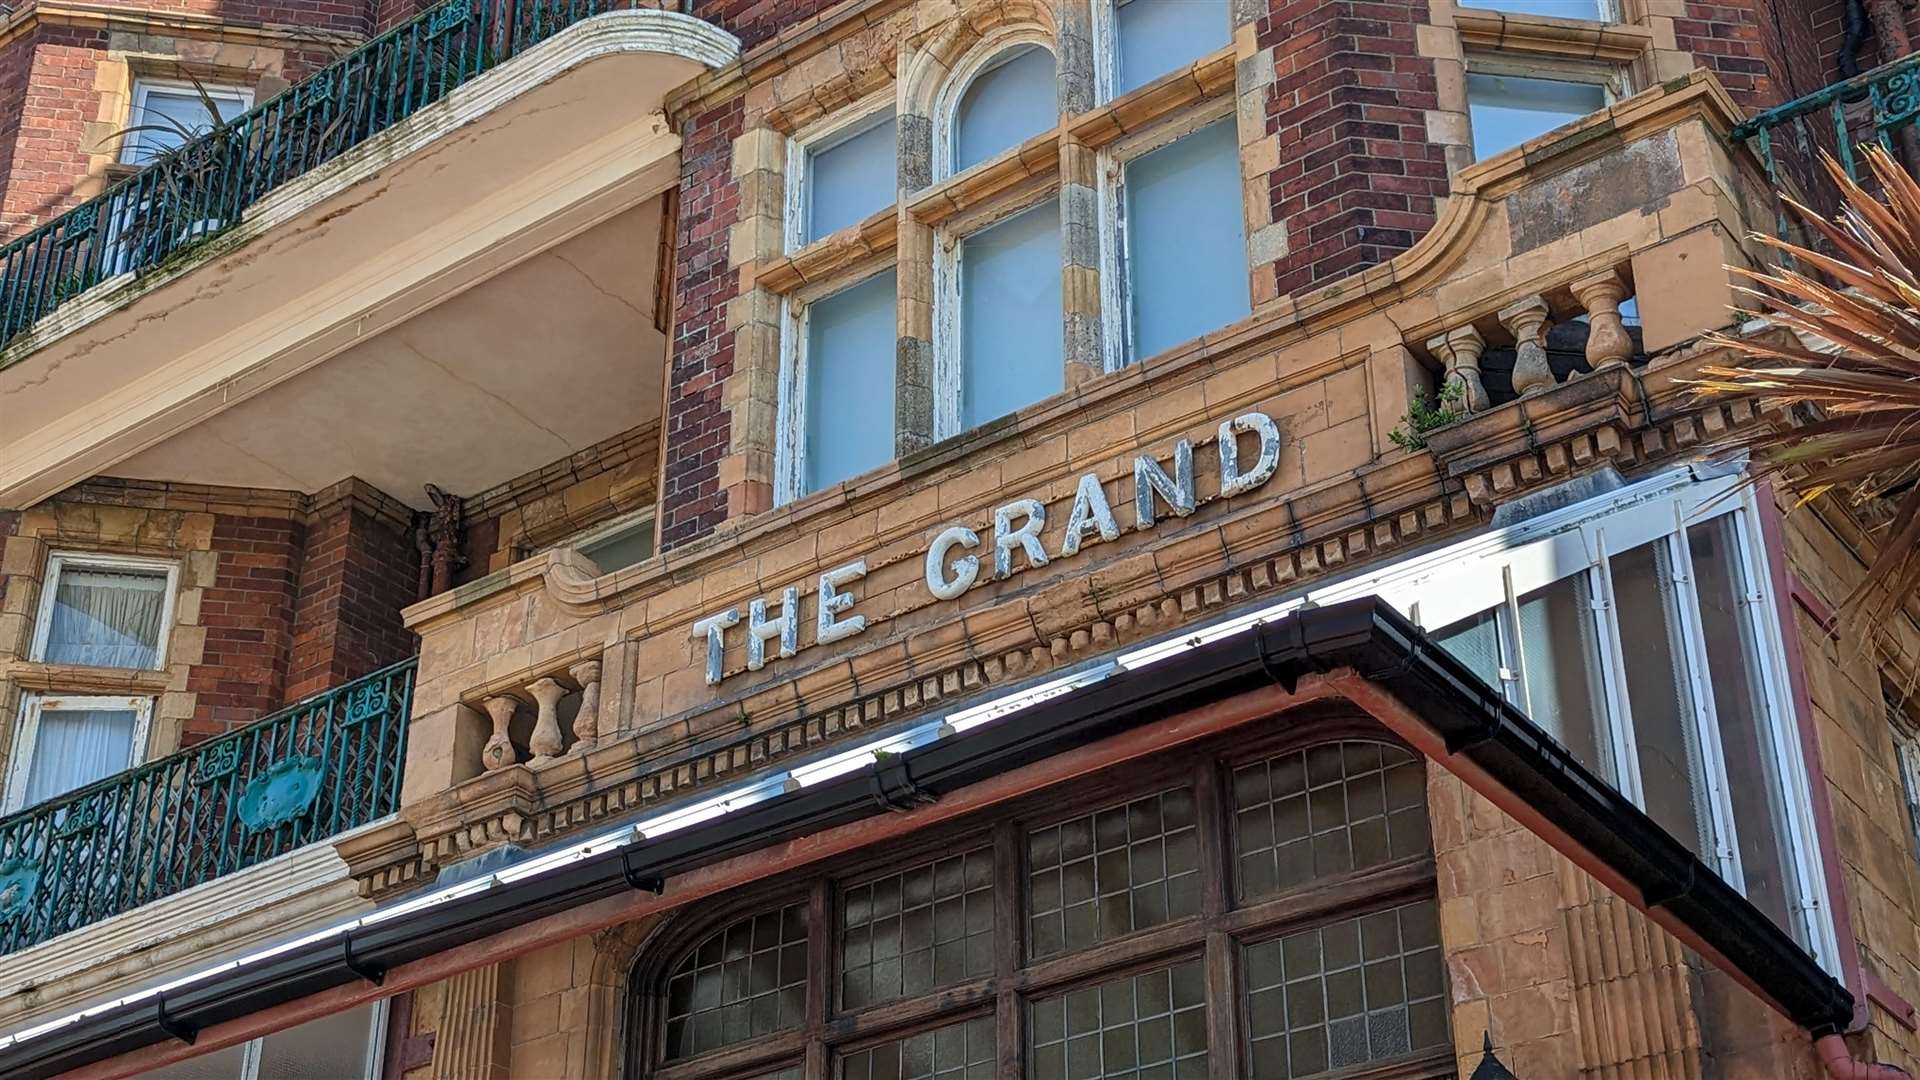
(308, 772)
(1881, 105)
(188, 196)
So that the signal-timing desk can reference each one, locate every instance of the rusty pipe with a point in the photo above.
(1840, 1063)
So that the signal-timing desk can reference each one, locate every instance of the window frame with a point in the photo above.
(790, 423)
(988, 53)
(1611, 12)
(949, 266)
(26, 734)
(1106, 52)
(1225, 922)
(1665, 505)
(614, 528)
(847, 123)
(1615, 81)
(1117, 334)
(253, 1049)
(59, 561)
(134, 142)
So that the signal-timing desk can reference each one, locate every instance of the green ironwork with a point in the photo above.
(185, 198)
(308, 772)
(1873, 106)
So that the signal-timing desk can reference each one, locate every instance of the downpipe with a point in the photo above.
(1840, 1063)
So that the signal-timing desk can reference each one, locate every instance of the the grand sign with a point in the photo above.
(953, 560)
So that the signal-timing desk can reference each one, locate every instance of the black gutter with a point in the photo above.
(1365, 635)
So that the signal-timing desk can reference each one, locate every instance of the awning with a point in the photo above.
(1363, 650)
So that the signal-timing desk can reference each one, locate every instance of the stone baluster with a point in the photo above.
(498, 752)
(586, 722)
(1460, 351)
(1527, 320)
(1607, 338)
(547, 741)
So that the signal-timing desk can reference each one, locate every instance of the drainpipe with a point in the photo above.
(1842, 1065)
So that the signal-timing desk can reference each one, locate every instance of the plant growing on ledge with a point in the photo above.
(1426, 414)
(1855, 363)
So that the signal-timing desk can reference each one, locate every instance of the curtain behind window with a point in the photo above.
(75, 747)
(107, 618)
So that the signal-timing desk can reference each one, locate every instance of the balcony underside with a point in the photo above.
(374, 318)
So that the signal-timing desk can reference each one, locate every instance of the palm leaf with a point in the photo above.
(1847, 387)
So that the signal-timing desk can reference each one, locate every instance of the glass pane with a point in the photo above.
(1010, 324)
(1008, 103)
(1475, 642)
(1672, 773)
(331, 1048)
(1565, 9)
(1157, 36)
(1186, 246)
(623, 548)
(169, 117)
(1148, 1025)
(1326, 810)
(850, 179)
(795, 1073)
(107, 618)
(1356, 992)
(1507, 110)
(74, 747)
(742, 982)
(1110, 873)
(961, 1051)
(1755, 782)
(1561, 670)
(850, 352)
(219, 1065)
(911, 932)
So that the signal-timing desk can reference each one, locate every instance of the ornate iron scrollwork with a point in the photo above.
(217, 762)
(82, 817)
(365, 703)
(449, 15)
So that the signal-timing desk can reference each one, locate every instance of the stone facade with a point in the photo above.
(557, 697)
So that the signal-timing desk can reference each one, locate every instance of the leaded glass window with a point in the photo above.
(1129, 925)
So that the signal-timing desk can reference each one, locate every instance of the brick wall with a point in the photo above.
(1357, 181)
(1764, 51)
(356, 573)
(47, 152)
(692, 503)
(754, 21)
(248, 615)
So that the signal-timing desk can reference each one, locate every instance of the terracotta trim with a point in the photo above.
(1811, 603)
(172, 23)
(1786, 593)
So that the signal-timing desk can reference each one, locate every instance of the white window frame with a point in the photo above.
(862, 117)
(790, 436)
(27, 734)
(1440, 588)
(1613, 79)
(59, 561)
(1610, 11)
(949, 260)
(1906, 747)
(1116, 281)
(986, 54)
(1106, 50)
(134, 141)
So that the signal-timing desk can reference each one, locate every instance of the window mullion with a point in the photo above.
(822, 948)
(947, 380)
(1116, 300)
(1009, 951)
(250, 1059)
(1613, 681)
(1706, 721)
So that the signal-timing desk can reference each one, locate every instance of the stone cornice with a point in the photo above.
(115, 18)
(1555, 38)
(186, 497)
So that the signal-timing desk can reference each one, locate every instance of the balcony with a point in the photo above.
(287, 300)
(1881, 105)
(312, 771)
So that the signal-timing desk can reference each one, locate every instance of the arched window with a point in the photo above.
(1009, 101)
(1260, 910)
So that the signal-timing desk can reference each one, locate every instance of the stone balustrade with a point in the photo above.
(565, 706)
(1524, 328)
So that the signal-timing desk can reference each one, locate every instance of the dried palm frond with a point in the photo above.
(1852, 375)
